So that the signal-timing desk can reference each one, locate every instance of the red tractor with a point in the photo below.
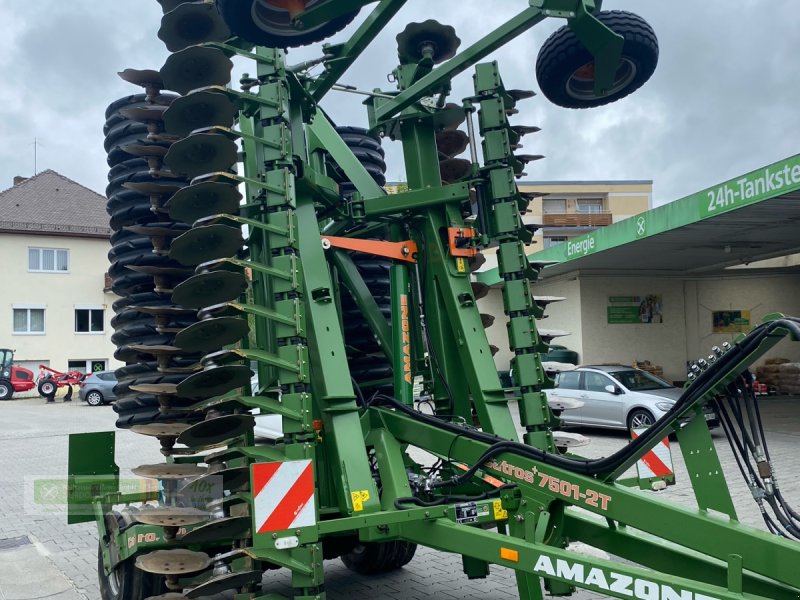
(13, 379)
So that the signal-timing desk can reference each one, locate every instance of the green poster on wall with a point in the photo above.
(624, 310)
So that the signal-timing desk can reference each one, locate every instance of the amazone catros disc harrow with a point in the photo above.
(264, 272)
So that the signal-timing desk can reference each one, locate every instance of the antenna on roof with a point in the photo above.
(36, 145)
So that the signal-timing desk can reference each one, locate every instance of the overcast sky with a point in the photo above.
(723, 100)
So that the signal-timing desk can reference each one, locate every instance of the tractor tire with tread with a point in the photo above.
(563, 56)
(373, 558)
(6, 389)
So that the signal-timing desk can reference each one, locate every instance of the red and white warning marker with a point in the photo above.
(657, 463)
(283, 496)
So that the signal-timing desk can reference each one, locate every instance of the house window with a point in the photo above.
(589, 205)
(554, 206)
(554, 240)
(48, 260)
(28, 320)
(89, 320)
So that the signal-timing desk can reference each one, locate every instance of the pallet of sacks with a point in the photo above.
(781, 375)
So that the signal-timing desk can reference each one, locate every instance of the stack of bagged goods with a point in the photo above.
(781, 375)
(646, 365)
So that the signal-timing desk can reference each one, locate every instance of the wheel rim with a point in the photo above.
(276, 20)
(641, 420)
(114, 583)
(4, 390)
(93, 398)
(580, 85)
(48, 388)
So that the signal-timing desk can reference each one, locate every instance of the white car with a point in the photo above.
(617, 396)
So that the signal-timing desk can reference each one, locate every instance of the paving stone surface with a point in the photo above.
(33, 446)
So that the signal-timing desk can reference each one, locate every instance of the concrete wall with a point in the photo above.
(685, 333)
(58, 293)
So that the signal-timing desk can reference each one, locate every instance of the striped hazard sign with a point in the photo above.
(657, 463)
(283, 495)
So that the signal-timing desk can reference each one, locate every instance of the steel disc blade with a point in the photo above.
(543, 301)
(164, 311)
(221, 583)
(152, 114)
(214, 431)
(525, 129)
(207, 289)
(152, 188)
(567, 439)
(479, 289)
(518, 95)
(199, 109)
(195, 68)
(476, 262)
(168, 5)
(171, 516)
(232, 478)
(214, 382)
(494, 349)
(160, 430)
(203, 200)
(154, 230)
(558, 403)
(201, 153)
(206, 243)
(164, 271)
(161, 389)
(548, 334)
(145, 150)
(452, 142)
(156, 350)
(212, 334)
(192, 23)
(487, 320)
(417, 37)
(220, 529)
(454, 169)
(173, 562)
(142, 77)
(165, 471)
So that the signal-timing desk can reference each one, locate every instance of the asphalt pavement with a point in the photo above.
(42, 557)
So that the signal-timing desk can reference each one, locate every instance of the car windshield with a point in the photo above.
(639, 381)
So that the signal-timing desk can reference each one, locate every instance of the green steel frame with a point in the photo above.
(436, 336)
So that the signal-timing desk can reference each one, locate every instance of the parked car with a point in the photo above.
(98, 388)
(618, 397)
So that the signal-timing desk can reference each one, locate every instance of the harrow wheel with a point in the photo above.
(373, 558)
(268, 23)
(125, 582)
(565, 68)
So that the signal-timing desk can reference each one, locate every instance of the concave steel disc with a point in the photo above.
(166, 6)
(480, 289)
(203, 200)
(201, 153)
(232, 478)
(171, 516)
(416, 37)
(567, 439)
(214, 431)
(160, 430)
(156, 350)
(487, 320)
(168, 596)
(206, 243)
(214, 381)
(227, 528)
(155, 270)
(166, 310)
(453, 169)
(169, 471)
(142, 77)
(202, 108)
(173, 562)
(191, 23)
(451, 142)
(156, 150)
(494, 349)
(221, 583)
(153, 188)
(549, 334)
(166, 389)
(207, 289)
(212, 334)
(543, 301)
(518, 95)
(194, 68)
(475, 263)
(525, 129)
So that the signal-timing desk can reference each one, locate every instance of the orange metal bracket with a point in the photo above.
(406, 251)
(456, 234)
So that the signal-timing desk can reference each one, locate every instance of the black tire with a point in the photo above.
(126, 582)
(564, 67)
(373, 558)
(134, 164)
(47, 388)
(6, 389)
(138, 101)
(238, 14)
(144, 299)
(640, 418)
(95, 398)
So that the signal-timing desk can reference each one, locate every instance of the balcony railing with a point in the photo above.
(597, 219)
